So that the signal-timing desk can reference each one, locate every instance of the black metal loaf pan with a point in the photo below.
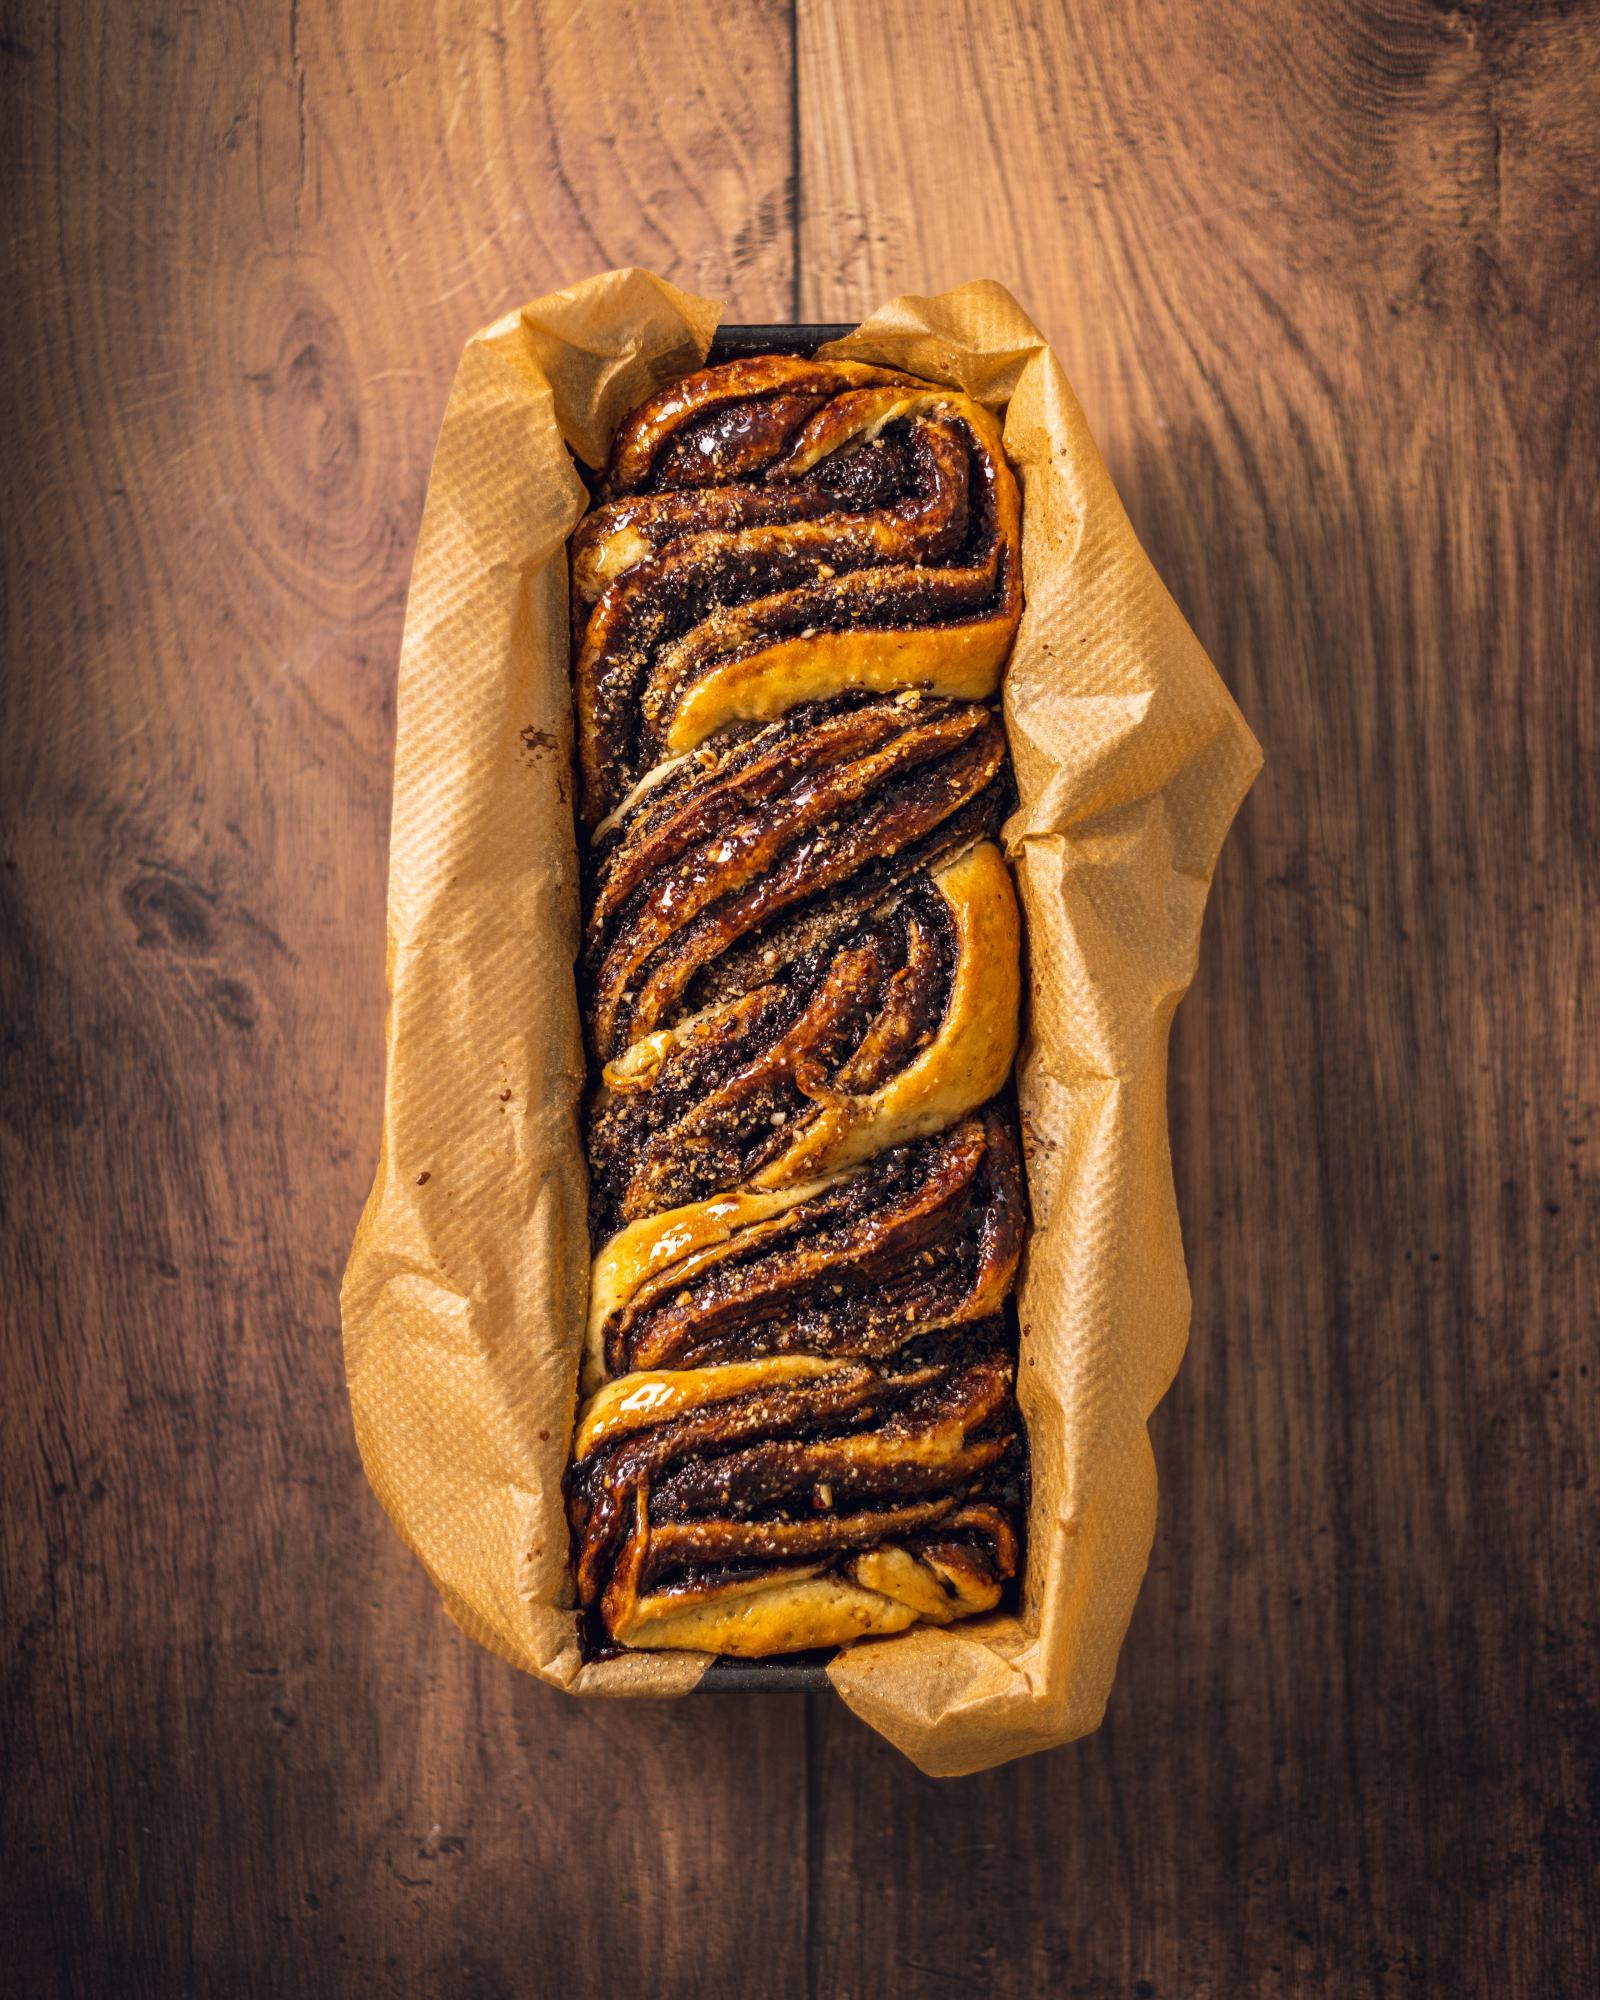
(733, 341)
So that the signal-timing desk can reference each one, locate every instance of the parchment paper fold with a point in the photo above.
(465, 1293)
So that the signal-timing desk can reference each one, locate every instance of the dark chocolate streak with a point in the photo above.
(926, 1234)
(729, 1096)
(770, 901)
(897, 532)
(735, 387)
(787, 841)
(818, 1467)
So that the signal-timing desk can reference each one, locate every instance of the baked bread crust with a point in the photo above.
(878, 548)
(883, 1049)
(801, 983)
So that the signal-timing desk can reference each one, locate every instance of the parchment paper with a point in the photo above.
(464, 1299)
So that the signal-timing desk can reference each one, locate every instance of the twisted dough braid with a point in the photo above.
(783, 531)
(801, 980)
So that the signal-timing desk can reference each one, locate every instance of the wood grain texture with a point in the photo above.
(1325, 279)
(247, 1754)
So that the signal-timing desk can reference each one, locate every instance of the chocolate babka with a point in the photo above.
(792, 603)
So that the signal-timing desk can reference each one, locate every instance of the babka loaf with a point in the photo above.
(792, 604)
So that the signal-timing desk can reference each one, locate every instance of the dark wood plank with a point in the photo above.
(246, 1752)
(1325, 279)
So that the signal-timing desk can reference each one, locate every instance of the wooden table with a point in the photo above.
(1325, 276)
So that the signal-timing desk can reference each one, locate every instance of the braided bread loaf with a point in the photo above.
(801, 981)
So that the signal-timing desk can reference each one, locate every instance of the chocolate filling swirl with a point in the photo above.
(761, 1484)
(779, 531)
(723, 1099)
(921, 1238)
(800, 979)
(724, 875)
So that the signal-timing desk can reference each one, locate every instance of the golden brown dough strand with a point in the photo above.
(796, 546)
(801, 986)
